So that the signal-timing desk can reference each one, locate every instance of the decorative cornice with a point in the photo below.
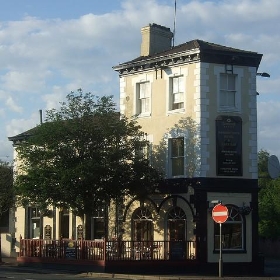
(156, 63)
(190, 52)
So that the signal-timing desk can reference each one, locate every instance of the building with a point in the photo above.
(196, 103)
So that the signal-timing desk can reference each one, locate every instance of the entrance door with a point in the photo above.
(177, 233)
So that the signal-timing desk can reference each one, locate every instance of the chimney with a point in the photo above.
(155, 38)
(41, 116)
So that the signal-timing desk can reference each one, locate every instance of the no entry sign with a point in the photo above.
(220, 213)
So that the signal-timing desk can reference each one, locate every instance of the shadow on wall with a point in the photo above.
(7, 245)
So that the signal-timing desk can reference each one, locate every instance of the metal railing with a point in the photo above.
(108, 250)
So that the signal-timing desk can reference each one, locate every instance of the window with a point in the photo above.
(64, 223)
(232, 231)
(142, 150)
(4, 222)
(177, 93)
(177, 156)
(34, 222)
(142, 225)
(143, 98)
(228, 91)
(177, 224)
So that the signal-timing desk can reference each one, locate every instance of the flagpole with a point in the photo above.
(174, 23)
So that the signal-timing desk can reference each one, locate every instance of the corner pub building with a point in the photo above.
(197, 106)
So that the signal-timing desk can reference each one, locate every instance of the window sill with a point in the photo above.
(231, 251)
(144, 115)
(176, 177)
(229, 109)
(176, 111)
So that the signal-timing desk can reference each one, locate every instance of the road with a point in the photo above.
(272, 271)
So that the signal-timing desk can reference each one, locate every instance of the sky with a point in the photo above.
(49, 48)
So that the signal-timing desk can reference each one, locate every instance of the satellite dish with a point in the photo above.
(273, 167)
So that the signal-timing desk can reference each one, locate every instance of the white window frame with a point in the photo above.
(34, 222)
(238, 72)
(228, 91)
(176, 93)
(143, 98)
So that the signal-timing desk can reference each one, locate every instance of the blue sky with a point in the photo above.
(63, 9)
(51, 47)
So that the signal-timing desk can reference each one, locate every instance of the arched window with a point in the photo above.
(142, 225)
(177, 224)
(232, 231)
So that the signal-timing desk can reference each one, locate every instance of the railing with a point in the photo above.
(108, 250)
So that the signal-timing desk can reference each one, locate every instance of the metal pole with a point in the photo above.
(221, 258)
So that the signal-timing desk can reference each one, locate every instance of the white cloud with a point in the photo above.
(12, 105)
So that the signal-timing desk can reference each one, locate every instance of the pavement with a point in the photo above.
(272, 271)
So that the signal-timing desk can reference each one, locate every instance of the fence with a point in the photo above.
(108, 250)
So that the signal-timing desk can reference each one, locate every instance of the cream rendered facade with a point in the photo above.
(200, 74)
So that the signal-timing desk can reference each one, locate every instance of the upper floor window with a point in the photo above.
(177, 93)
(143, 98)
(177, 156)
(228, 98)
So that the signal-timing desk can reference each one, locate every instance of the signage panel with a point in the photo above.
(229, 146)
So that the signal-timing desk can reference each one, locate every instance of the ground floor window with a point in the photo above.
(64, 223)
(4, 222)
(142, 227)
(34, 222)
(232, 231)
(98, 228)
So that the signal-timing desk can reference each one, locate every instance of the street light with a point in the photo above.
(263, 74)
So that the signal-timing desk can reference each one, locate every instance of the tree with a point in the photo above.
(82, 157)
(6, 187)
(6, 194)
(269, 200)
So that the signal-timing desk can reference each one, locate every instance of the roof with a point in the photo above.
(202, 51)
(26, 134)
(22, 136)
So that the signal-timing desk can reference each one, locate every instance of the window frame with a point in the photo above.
(228, 91)
(34, 218)
(179, 91)
(234, 218)
(239, 73)
(146, 99)
(176, 156)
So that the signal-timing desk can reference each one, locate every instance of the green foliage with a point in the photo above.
(6, 187)
(82, 156)
(269, 200)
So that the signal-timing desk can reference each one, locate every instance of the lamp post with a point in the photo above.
(263, 74)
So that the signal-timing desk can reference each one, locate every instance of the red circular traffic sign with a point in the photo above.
(220, 213)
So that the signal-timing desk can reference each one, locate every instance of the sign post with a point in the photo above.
(220, 215)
